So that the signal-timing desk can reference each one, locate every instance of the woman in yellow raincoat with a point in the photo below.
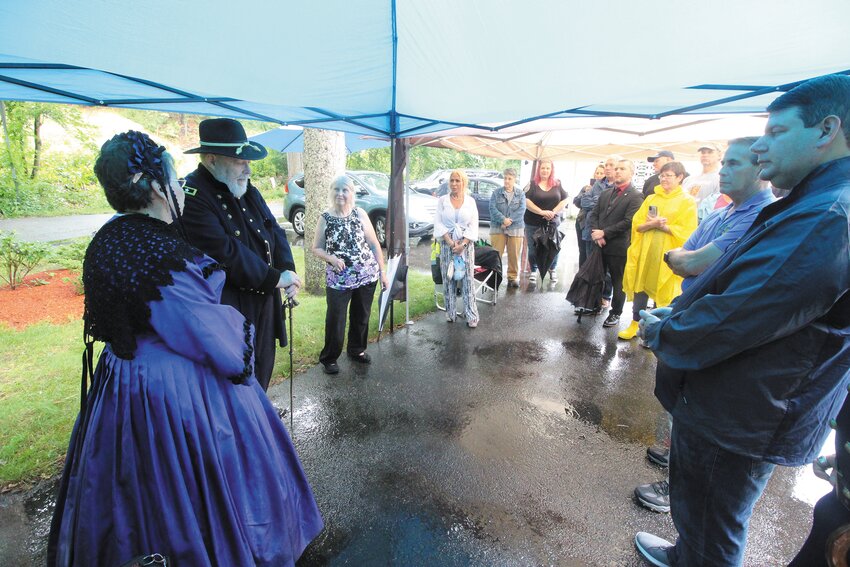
(664, 221)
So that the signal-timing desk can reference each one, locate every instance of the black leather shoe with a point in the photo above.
(330, 368)
(612, 320)
(362, 358)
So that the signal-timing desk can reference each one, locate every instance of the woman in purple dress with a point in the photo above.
(346, 242)
(177, 450)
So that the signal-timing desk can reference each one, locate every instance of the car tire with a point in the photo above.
(296, 217)
(379, 221)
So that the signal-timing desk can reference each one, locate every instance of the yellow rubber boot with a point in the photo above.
(630, 332)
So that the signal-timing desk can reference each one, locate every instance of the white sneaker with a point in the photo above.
(532, 277)
(553, 276)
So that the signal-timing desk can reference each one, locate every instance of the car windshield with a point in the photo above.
(380, 181)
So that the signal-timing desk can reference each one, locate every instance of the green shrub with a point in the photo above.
(17, 258)
(70, 255)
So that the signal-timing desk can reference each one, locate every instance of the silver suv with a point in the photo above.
(372, 196)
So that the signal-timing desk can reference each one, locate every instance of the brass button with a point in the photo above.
(258, 231)
(223, 206)
(250, 220)
(229, 216)
(237, 233)
(219, 196)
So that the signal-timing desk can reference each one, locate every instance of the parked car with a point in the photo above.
(481, 188)
(430, 184)
(372, 195)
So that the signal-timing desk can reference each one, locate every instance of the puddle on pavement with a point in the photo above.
(584, 410)
(25, 524)
(554, 407)
(618, 427)
(581, 348)
(495, 434)
(512, 352)
(346, 417)
(413, 520)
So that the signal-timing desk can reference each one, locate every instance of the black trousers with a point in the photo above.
(616, 266)
(829, 515)
(582, 246)
(360, 300)
(639, 302)
(265, 343)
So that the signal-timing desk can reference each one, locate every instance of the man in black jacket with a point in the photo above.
(657, 161)
(228, 219)
(611, 230)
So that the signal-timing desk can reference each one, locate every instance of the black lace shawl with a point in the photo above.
(127, 261)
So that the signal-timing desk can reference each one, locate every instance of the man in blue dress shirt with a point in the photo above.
(739, 180)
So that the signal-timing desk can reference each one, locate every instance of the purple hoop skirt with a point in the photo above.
(172, 457)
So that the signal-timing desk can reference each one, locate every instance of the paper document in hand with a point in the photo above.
(396, 274)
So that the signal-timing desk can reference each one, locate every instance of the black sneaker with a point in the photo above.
(659, 456)
(655, 496)
(612, 320)
(330, 368)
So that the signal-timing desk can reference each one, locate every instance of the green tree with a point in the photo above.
(28, 183)
(422, 161)
(25, 120)
(271, 167)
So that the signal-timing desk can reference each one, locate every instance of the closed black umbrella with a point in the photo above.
(547, 246)
(586, 290)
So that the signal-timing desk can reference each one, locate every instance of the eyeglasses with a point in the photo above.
(668, 176)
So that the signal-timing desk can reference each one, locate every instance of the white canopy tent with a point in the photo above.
(595, 139)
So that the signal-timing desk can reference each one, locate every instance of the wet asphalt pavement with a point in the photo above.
(516, 443)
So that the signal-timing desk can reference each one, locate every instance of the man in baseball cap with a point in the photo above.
(657, 161)
(706, 183)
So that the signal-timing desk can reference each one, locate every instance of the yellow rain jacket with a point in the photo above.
(645, 267)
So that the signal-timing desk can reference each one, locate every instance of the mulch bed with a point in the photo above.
(47, 296)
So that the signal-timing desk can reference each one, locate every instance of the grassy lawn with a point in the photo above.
(40, 380)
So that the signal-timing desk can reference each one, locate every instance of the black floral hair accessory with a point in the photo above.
(146, 158)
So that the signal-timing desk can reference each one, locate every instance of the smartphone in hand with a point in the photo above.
(653, 211)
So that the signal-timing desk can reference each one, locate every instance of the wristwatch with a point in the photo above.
(667, 257)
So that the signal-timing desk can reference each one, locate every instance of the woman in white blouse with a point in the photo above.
(456, 227)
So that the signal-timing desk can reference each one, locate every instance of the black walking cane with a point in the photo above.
(290, 304)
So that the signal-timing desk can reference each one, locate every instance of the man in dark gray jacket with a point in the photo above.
(611, 229)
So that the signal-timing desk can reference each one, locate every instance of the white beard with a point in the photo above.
(236, 190)
(233, 187)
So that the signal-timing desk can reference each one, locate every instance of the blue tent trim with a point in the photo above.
(170, 99)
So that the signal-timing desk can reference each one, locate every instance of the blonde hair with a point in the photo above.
(463, 177)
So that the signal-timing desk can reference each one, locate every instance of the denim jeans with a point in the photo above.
(712, 494)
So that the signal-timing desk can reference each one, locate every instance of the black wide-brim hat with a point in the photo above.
(226, 137)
